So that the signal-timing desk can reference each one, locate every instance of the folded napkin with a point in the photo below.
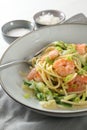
(78, 18)
(14, 116)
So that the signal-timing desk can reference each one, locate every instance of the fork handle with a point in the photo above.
(9, 64)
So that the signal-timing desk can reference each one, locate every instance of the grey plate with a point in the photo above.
(11, 81)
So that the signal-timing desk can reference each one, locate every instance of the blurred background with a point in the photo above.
(25, 9)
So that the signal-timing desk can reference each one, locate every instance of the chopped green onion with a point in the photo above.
(59, 48)
(48, 60)
(69, 77)
(40, 96)
(66, 104)
(27, 95)
(69, 97)
(60, 44)
(69, 57)
(85, 67)
(83, 97)
(81, 71)
(77, 99)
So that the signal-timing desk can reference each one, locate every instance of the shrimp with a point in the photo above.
(78, 84)
(81, 48)
(64, 67)
(52, 55)
(33, 74)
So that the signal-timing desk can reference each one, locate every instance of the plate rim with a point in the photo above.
(47, 111)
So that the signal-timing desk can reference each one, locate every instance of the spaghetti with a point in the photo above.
(59, 74)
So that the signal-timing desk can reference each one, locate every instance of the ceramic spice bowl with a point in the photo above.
(15, 29)
(49, 17)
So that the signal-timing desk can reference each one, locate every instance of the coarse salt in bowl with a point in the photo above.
(15, 29)
(49, 17)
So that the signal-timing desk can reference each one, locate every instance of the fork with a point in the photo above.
(25, 60)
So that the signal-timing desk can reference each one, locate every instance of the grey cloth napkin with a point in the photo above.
(14, 116)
